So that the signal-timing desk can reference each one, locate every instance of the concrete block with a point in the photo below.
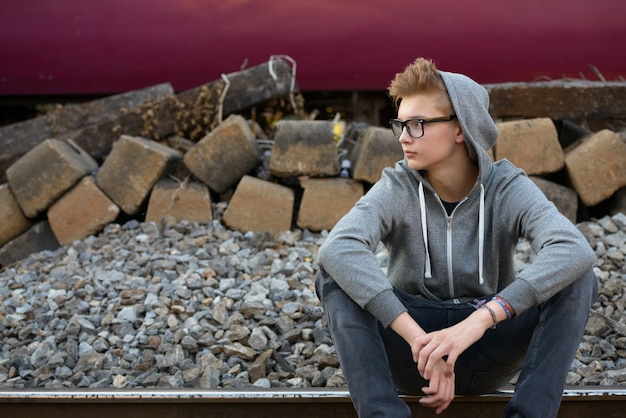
(46, 172)
(564, 198)
(376, 150)
(188, 201)
(82, 211)
(132, 168)
(304, 148)
(225, 155)
(596, 167)
(38, 238)
(530, 144)
(325, 201)
(260, 206)
(13, 220)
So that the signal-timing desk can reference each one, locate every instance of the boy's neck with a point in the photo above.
(454, 183)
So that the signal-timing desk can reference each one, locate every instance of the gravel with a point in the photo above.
(180, 305)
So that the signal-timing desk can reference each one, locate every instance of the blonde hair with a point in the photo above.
(420, 77)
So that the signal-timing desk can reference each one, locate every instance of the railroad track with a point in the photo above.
(578, 402)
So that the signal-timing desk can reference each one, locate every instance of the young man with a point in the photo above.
(452, 316)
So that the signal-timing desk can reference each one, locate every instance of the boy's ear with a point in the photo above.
(460, 137)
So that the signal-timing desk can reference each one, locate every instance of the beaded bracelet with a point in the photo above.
(493, 315)
(503, 304)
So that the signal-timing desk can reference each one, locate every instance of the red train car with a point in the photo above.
(97, 47)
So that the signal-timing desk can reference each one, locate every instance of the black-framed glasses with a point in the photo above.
(415, 126)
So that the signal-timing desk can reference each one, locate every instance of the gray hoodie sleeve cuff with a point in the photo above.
(385, 307)
(517, 294)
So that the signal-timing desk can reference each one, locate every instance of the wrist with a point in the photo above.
(506, 307)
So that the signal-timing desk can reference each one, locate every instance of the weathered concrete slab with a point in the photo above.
(325, 201)
(304, 148)
(188, 200)
(596, 167)
(132, 168)
(47, 171)
(531, 144)
(82, 211)
(225, 155)
(260, 206)
(13, 222)
(558, 99)
(38, 238)
(376, 150)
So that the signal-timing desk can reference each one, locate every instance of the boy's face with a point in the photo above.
(439, 143)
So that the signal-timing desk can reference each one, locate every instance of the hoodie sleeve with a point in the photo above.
(562, 252)
(349, 253)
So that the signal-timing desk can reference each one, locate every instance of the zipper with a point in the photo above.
(449, 246)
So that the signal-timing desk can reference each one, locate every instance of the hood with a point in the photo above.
(470, 101)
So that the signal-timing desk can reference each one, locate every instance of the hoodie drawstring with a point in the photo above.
(481, 233)
(427, 271)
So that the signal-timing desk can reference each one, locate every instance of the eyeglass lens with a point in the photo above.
(413, 126)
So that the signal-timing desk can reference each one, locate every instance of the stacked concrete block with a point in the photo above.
(189, 200)
(13, 222)
(596, 167)
(82, 211)
(260, 206)
(530, 144)
(38, 238)
(304, 148)
(225, 155)
(376, 150)
(564, 198)
(132, 168)
(325, 201)
(46, 172)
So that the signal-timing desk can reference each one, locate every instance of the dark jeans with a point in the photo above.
(540, 343)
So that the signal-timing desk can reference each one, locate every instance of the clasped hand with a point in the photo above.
(435, 354)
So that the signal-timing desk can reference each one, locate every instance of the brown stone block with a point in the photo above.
(225, 155)
(260, 206)
(13, 220)
(132, 168)
(304, 148)
(81, 212)
(47, 171)
(325, 201)
(596, 167)
(376, 150)
(38, 238)
(530, 144)
(564, 198)
(188, 201)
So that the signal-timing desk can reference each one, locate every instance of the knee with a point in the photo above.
(585, 289)
(324, 284)
(590, 282)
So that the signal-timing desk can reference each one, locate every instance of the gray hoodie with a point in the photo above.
(466, 255)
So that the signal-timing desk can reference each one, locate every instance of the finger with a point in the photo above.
(423, 358)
